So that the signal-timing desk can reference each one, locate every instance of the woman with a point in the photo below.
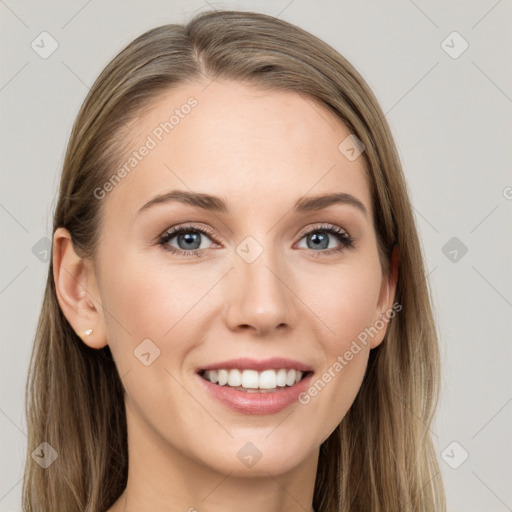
(236, 313)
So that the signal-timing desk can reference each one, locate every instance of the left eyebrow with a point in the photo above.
(320, 202)
(216, 204)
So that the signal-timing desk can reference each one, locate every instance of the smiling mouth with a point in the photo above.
(252, 381)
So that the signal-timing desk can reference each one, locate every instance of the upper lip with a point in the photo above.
(246, 363)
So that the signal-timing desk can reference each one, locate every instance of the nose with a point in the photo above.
(258, 297)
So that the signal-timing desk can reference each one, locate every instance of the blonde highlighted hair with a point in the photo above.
(381, 457)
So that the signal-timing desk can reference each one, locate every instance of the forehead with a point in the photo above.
(239, 142)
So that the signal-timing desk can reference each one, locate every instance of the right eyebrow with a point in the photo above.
(204, 201)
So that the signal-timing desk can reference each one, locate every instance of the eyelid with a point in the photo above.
(344, 238)
(211, 233)
(331, 228)
(164, 238)
(190, 227)
(323, 226)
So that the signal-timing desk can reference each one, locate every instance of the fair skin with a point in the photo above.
(260, 152)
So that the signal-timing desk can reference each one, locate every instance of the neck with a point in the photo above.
(166, 478)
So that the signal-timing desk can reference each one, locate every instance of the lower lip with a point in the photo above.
(257, 403)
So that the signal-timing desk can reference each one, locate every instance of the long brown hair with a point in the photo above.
(381, 456)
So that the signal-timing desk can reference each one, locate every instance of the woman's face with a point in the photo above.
(275, 274)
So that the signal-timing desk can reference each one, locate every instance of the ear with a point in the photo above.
(77, 291)
(385, 310)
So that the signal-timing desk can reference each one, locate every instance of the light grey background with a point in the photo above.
(451, 118)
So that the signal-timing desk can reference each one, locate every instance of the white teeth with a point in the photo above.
(251, 379)
(281, 378)
(222, 376)
(234, 378)
(268, 379)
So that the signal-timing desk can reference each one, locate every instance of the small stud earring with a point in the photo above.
(88, 332)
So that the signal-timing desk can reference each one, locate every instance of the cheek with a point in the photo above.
(353, 307)
(151, 324)
(346, 305)
(345, 299)
(151, 301)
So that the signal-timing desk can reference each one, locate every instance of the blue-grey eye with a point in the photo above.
(186, 239)
(319, 240)
(189, 240)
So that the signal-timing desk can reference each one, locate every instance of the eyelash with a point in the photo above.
(346, 241)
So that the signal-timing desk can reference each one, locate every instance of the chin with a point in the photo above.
(257, 456)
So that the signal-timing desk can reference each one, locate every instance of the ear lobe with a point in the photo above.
(76, 290)
(387, 296)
